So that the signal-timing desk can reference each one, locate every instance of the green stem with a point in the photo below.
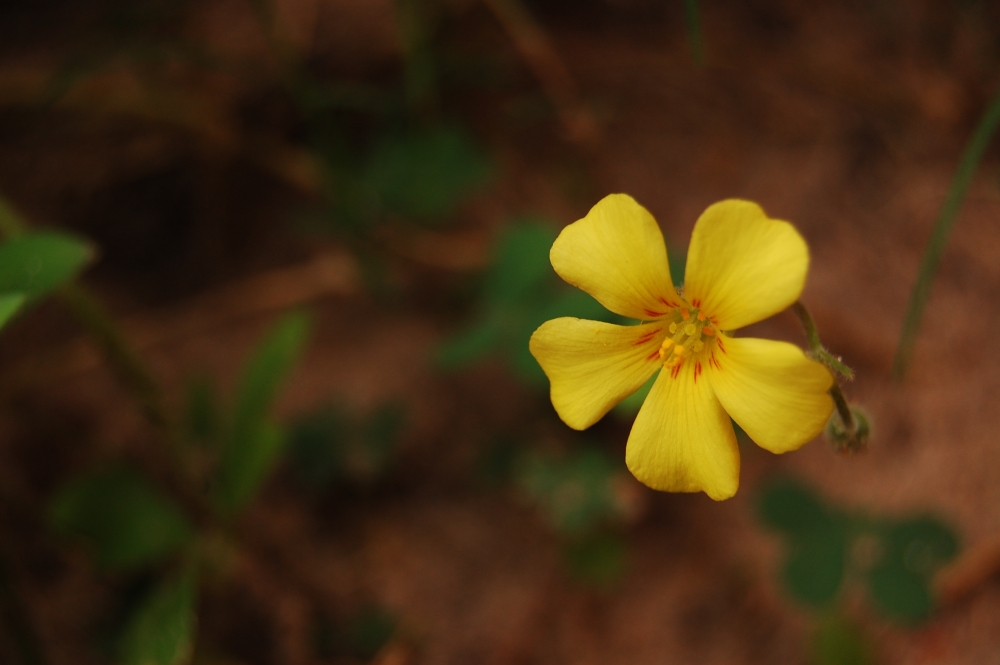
(819, 353)
(692, 19)
(939, 236)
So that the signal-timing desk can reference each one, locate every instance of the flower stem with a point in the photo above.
(854, 433)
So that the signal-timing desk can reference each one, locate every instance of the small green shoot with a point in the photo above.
(123, 519)
(162, 629)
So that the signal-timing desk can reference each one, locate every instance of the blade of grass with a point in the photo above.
(692, 19)
(939, 236)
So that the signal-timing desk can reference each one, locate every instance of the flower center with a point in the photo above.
(688, 331)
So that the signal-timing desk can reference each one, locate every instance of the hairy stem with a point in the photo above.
(821, 354)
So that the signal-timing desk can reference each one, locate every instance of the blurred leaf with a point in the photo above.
(202, 410)
(575, 492)
(123, 518)
(9, 304)
(36, 263)
(469, 346)
(900, 594)
(360, 637)
(521, 262)
(330, 445)
(576, 303)
(817, 539)
(923, 544)
(815, 566)
(792, 507)
(316, 446)
(599, 561)
(243, 469)
(255, 443)
(162, 630)
(368, 631)
(678, 264)
(270, 364)
(379, 440)
(912, 551)
(839, 641)
(426, 175)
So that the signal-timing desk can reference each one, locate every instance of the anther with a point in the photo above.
(673, 328)
(685, 314)
(708, 331)
(699, 345)
(689, 329)
(667, 343)
(701, 316)
(679, 351)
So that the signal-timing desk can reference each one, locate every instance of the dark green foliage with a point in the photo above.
(162, 629)
(331, 445)
(424, 176)
(520, 293)
(897, 557)
(9, 304)
(124, 520)
(254, 442)
(912, 551)
(839, 641)
(360, 636)
(575, 491)
(599, 561)
(203, 417)
(34, 264)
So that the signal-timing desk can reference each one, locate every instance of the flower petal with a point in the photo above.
(682, 440)
(617, 254)
(742, 266)
(776, 394)
(592, 365)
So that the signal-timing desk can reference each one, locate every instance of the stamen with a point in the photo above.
(698, 346)
(689, 329)
(667, 343)
(701, 316)
(673, 328)
(708, 331)
(685, 314)
(679, 351)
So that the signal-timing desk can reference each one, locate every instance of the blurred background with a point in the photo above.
(267, 399)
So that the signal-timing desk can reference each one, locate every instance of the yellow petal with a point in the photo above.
(617, 254)
(682, 440)
(776, 394)
(743, 267)
(592, 366)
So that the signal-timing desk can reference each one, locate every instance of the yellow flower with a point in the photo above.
(742, 267)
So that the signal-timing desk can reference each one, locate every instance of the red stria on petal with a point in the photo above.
(646, 337)
(675, 371)
(654, 354)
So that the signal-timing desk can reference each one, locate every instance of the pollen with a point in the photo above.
(689, 331)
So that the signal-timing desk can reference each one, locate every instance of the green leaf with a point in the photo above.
(521, 262)
(9, 304)
(36, 263)
(793, 508)
(202, 410)
(678, 264)
(270, 364)
(255, 443)
(122, 517)
(425, 176)
(470, 345)
(900, 594)
(244, 468)
(839, 641)
(814, 569)
(316, 446)
(575, 492)
(600, 561)
(912, 551)
(379, 440)
(922, 544)
(162, 630)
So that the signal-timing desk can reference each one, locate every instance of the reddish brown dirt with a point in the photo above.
(818, 119)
